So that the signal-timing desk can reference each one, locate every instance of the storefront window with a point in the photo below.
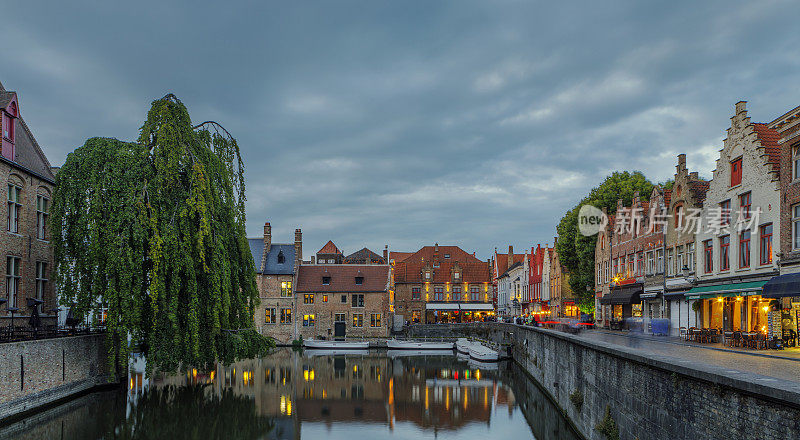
(636, 310)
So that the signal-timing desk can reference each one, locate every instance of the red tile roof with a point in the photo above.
(342, 278)
(329, 248)
(502, 261)
(473, 270)
(399, 256)
(699, 188)
(667, 197)
(769, 139)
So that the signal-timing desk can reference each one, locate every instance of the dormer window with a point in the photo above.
(436, 264)
(281, 258)
(326, 281)
(427, 275)
(359, 280)
(456, 275)
(447, 255)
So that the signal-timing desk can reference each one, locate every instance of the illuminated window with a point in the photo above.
(286, 316)
(309, 320)
(375, 320)
(358, 320)
(308, 298)
(340, 317)
(286, 289)
(269, 316)
(324, 298)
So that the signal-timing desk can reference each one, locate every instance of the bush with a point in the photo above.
(607, 426)
(577, 399)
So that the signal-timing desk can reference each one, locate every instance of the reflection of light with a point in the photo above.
(194, 372)
(308, 375)
(426, 397)
(765, 308)
(447, 399)
(391, 390)
(486, 397)
(355, 368)
(131, 383)
(466, 398)
(324, 394)
(478, 374)
(211, 376)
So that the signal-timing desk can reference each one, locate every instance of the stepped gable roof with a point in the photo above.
(273, 266)
(364, 256)
(342, 278)
(473, 270)
(769, 140)
(329, 248)
(29, 154)
(699, 188)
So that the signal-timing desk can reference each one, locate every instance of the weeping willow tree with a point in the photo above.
(153, 231)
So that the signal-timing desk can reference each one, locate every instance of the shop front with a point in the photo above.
(784, 294)
(736, 307)
(622, 303)
(458, 312)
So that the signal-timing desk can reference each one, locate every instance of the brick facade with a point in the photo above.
(788, 128)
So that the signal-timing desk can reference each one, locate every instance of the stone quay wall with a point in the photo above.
(37, 373)
(648, 396)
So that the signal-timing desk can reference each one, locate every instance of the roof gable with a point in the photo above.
(330, 248)
(342, 278)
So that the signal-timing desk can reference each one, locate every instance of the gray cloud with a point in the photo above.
(405, 123)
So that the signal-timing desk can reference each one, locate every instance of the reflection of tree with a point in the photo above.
(189, 412)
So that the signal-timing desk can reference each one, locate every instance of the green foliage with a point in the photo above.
(577, 399)
(696, 306)
(667, 184)
(154, 231)
(575, 250)
(607, 426)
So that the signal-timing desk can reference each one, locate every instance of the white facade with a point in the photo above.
(509, 287)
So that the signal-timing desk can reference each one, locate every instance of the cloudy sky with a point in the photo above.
(411, 122)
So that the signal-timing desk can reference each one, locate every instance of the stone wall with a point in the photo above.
(649, 397)
(36, 373)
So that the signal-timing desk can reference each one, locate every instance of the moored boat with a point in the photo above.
(482, 353)
(329, 344)
(394, 344)
(462, 345)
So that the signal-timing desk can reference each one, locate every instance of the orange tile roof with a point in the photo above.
(502, 261)
(329, 248)
(342, 278)
(399, 256)
(473, 270)
(769, 140)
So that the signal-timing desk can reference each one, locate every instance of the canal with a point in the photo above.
(313, 395)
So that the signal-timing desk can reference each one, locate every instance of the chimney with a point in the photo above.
(386, 253)
(510, 256)
(313, 259)
(681, 161)
(298, 248)
(694, 176)
(267, 246)
(436, 248)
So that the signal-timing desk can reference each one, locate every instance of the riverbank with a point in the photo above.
(648, 395)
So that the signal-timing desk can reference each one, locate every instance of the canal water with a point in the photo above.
(314, 395)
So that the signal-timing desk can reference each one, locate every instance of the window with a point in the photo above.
(744, 204)
(438, 293)
(309, 320)
(286, 316)
(660, 261)
(651, 262)
(724, 254)
(427, 275)
(447, 255)
(340, 317)
(631, 267)
(41, 279)
(744, 249)
(796, 226)
(456, 293)
(679, 261)
(614, 267)
(344, 299)
(286, 289)
(670, 262)
(358, 320)
(416, 316)
(416, 293)
(475, 293)
(766, 243)
(281, 257)
(690, 256)
(326, 281)
(324, 298)
(678, 216)
(358, 300)
(14, 207)
(42, 212)
(375, 320)
(456, 275)
(725, 215)
(308, 298)
(640, 263)
(12, 279)
(708, 252)
(736, 171)
(359, 280)
(269, 316)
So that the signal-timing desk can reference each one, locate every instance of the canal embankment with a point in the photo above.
(644, 396)
(37, 373)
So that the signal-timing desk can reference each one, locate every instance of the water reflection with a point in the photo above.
(291, 395)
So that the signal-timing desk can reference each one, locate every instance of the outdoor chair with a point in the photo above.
(737, 339)
(683, 333)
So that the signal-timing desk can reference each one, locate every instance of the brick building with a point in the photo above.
(637, 259)
(603, 269)
(441, 284)
(535, 268)
(366, 256)
(788, 128)
(276, 267)
(688, 195)
(28, 183)
(338, 300)
(562, 302)
(329, 254)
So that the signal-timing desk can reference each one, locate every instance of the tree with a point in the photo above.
(154, 231)
(575, 250)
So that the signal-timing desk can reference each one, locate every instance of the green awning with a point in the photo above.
(726, 290)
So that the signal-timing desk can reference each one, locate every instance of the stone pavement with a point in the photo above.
(783, 365)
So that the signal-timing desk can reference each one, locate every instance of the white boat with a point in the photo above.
(394, 344)
(410, 353)
(462, 345)
(330, 344)
(482, 353)
(336, 352)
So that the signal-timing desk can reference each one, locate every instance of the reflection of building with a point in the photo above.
(343, 300)
(441, 284)
(276, 266)
(27, 186)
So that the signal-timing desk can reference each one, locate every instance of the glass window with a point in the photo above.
(660, 261)
(340, 317)
(359, 280)
(475, 293)
(438, 293)
(13, 278)
(42, 212)
(286, 288)
(708, 252)
(724, 256)
(14, 207)
(309, 320)
(796, 227)
(766, 244)
(326, 281)
(308, 298)
(358, 300)
(375, 320)
(745, 204)
(670, 261)
(690, 256)
(416, 293)
(269, 316)
(725, 215)
(286, 316)
(358, 320)
(744, 249)
(41, 279)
